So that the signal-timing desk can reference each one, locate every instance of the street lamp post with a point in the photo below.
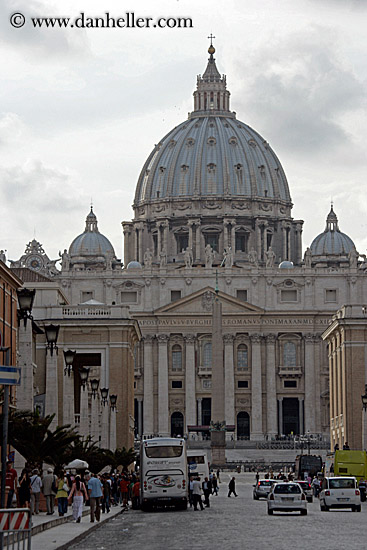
(94, 383)
(69, 357)
(25, 301)
(364, 418)
(104, 395)
(84, 373)
(52, 333)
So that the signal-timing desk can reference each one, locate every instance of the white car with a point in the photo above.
(340, 492)
(287, 497)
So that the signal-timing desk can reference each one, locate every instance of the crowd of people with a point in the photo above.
(100, 492)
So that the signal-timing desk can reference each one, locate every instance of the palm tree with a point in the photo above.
(122, 457)
(30, 435)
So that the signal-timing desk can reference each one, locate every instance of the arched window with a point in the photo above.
(176, 357)
(242, 357)
(207, 355)
(289, 354)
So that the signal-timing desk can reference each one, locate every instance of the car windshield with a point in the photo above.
(164, 451)
(286, 489)
(266, 483)
(342, 483)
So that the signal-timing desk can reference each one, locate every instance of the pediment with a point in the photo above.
(200, 302)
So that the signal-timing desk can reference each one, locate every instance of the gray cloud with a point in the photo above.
(299, 89)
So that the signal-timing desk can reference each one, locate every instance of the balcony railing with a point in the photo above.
(86, 311)
(290, 372)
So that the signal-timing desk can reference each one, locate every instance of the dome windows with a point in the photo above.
(190, 142)
(211, 168)
(252, 143)
(212, 141)
(172, 143)
(233, 141)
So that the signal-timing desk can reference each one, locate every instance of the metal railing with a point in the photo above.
(15, 529)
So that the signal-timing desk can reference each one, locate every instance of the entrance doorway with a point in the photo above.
(290, 416)
(177, 424)
(206, 414)
(243, 425)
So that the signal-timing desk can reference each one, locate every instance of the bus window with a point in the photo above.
(196, 459)
(164, 451)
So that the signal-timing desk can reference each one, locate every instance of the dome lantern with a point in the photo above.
(211, 93)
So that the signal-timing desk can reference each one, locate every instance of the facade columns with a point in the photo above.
(140, 417)
(258, 239)
(200, 411)
(256, 393)
(51, 397)
(317, 348)
(301, 419)
(271, 398)
(148, 426)
(309, 383)
(94, 424)
(141, 243)
(229, 389)
(233, 236)
(191, 225)
(25, 389)
(190, 381)
(163, 409)
(127, 240)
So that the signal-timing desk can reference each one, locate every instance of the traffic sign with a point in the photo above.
(9, 375)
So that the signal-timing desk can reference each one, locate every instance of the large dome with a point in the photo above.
(332, 242)
(91, 242)
(212, 154)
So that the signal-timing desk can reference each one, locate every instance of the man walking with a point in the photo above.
(10, 482)
(95, 495)
(196, 494)
(232, 487)
(207, 490)
(48, 489)
(36, 484)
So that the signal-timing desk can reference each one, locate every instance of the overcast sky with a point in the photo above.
(81, 109)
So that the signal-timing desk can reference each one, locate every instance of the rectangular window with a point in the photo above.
(129, 297)
(241, 242)
(86, 296)
(290, 383)
(330, 295)
(182, 243)
(289, 295)
(242, 295)
(242, 384)
(176, 384)
(175, 295)
(212, 239)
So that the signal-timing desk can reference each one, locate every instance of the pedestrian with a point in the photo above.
(10, 483)
(36, 484)
(124, 488)
(95, 494)
(218, 475)
(49, 489)
(136, 495)
(215, 485)
(196, 494)
(78, 491)
(232, 487)
(24, 489)
(191, 487)
(106, 494)
(257, 477)
(62, 493)
(207, 490)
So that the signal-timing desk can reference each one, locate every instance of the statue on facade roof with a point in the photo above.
(163, 258)
(2, 256)
(353, 257)
(270, 257)
(188, 258)
(148, 258)
(307, 258)
(209, 256)
(65, 260)
(228, 257)
(252, 257)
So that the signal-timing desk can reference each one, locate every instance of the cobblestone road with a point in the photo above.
(231, 523)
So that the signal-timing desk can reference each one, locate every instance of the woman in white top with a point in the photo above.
(78, 490)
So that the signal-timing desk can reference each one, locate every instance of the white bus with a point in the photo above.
(163, 473)
(198, 463)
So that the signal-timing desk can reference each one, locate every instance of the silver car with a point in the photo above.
(262, 488)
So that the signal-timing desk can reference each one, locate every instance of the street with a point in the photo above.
(235, 523)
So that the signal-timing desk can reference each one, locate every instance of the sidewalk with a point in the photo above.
(58, 533)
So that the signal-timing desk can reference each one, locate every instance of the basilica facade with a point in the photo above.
(213, 210)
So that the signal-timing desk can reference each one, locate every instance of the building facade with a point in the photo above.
(212, 209)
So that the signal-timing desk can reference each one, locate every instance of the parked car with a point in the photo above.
(262, 488)
(307, 489)
(287, 497)
(340, 492)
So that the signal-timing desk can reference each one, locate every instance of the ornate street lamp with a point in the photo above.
(94, 385)
(52, 333)
(104, 395)
(84, 373)
(69, 356)
(364, 399)
(113, 400)
(25, 301)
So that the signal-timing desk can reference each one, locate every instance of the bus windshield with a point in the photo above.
(164, 451)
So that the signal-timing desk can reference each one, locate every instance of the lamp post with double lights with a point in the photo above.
(68, 387)
(112, 442)
(84, 408)
(364, 418)
(94, 426)
(51, 404)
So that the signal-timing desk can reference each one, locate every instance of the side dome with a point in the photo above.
(91, 242)
(332, 242)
